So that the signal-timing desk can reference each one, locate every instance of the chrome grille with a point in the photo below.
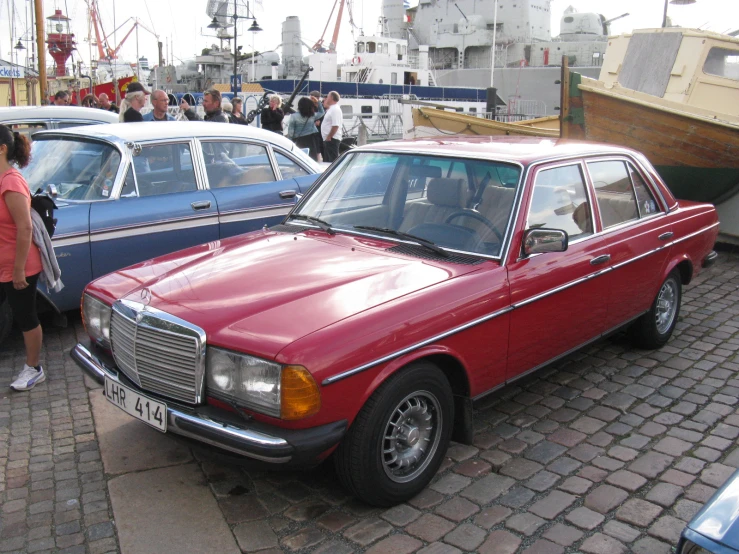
(159, 352)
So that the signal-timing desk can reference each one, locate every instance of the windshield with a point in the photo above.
(80, 169)
(455, 203)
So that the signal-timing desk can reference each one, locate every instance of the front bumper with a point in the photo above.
(226, 430)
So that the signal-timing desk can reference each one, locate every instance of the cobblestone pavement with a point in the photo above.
(610, 450)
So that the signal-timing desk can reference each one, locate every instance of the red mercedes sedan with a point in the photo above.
(413, 279)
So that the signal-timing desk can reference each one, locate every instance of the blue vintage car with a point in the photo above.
(129, 192)
(715, 529)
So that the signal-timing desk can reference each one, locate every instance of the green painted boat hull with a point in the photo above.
(715, 185)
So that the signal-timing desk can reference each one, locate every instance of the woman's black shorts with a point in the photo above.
(23, 303)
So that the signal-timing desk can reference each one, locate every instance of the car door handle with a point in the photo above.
(601, 259)
(201, 205)
(666, 236)
(288, 193)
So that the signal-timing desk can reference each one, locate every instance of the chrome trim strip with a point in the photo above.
(639, 257)
(248, 215)
(70, 240)
(98, 371)
(691, 235)
(156, 227)
(560, 288)
(421, 344)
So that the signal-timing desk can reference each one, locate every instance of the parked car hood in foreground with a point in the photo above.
(262, 291)
(718, 520)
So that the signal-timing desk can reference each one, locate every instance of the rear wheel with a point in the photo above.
(399, 438)
(654, 328)
(6, 319)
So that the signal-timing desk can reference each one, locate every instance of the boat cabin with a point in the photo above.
(382, 60)
(688, 66)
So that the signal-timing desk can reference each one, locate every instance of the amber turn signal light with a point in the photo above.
(299, 392)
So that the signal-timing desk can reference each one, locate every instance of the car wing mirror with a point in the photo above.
(52, 191)
(539, 241)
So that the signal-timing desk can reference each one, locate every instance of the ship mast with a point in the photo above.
(39, 9)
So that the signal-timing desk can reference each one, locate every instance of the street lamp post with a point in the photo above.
(254, 29)
(676, 2)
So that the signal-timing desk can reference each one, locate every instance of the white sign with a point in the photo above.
(10, 72)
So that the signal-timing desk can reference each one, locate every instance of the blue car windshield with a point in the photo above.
(79, 169)
(460, 204)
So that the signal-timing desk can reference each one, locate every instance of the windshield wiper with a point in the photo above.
(418, 240)
(324, 225)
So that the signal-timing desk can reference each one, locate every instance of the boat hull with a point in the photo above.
(433, 122)
(697, 158)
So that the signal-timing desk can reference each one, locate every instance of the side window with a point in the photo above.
(644, 199)
(28, 129)
(67, 124)
(164, 169)
(560, 202)
(129, 186)
(613, 190)
(288, 167)
(230, 164)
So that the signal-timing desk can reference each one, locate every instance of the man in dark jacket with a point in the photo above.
(211, 105)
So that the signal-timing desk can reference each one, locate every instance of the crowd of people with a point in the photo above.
(316, 125)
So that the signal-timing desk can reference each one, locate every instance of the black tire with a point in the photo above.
(654, 328)
(367, 462)
(6, 319)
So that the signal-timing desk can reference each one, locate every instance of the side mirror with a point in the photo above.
(52, 191)
(539, 241)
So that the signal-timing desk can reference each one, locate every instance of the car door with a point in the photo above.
(161, 207)
(247, 185)
(637, 232)
(558, 297)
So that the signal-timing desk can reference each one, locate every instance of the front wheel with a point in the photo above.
(654, 328)
(399, 438)
(6, 319)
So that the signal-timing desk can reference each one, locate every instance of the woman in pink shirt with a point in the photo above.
(20, 260)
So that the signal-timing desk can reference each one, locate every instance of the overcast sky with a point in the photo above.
(182, 23)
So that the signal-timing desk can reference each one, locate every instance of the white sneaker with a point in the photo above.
(29, 378)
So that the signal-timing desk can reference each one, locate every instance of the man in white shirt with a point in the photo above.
(331, 126)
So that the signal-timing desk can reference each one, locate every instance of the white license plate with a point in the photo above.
(141, 407)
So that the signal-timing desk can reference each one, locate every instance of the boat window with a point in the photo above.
(644, 197)
(80, 169)
(393, 78)
(613, 190)
(560, 202)
(371, 47)
(722, 62)
(360, 48)
(397, 49)
(367, 110)
(230, 164)
(384, 47)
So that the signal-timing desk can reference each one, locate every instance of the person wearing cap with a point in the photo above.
(133, 103)
(211, 105)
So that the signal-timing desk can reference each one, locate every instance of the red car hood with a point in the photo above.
(259, 292)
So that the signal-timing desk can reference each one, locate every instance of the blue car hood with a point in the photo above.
(719, 518)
